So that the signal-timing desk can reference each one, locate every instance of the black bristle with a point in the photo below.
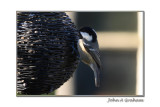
(46, 51)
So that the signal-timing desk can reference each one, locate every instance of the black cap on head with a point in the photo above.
(90, 31)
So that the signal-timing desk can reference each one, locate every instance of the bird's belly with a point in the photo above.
(85, 58)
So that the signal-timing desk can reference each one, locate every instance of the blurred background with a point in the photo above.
(120, 37)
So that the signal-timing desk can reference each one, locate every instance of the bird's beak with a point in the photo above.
(80, 36)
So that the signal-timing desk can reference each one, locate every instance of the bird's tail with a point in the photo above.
(96, 71)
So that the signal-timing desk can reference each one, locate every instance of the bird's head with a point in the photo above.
(88, 34)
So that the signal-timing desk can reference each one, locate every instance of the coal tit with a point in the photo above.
(89, 51)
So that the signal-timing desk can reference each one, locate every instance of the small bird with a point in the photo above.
(89, 51)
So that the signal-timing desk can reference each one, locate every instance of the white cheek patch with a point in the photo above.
(86, 36)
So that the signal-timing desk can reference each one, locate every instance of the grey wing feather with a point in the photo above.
(94, 53)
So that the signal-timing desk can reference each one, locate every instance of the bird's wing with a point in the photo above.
(94, 53)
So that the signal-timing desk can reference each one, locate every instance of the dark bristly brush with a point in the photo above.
(46, 51)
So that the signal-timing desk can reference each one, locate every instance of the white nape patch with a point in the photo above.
(86, 36)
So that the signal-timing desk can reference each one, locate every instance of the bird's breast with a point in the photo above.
(85, 56)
